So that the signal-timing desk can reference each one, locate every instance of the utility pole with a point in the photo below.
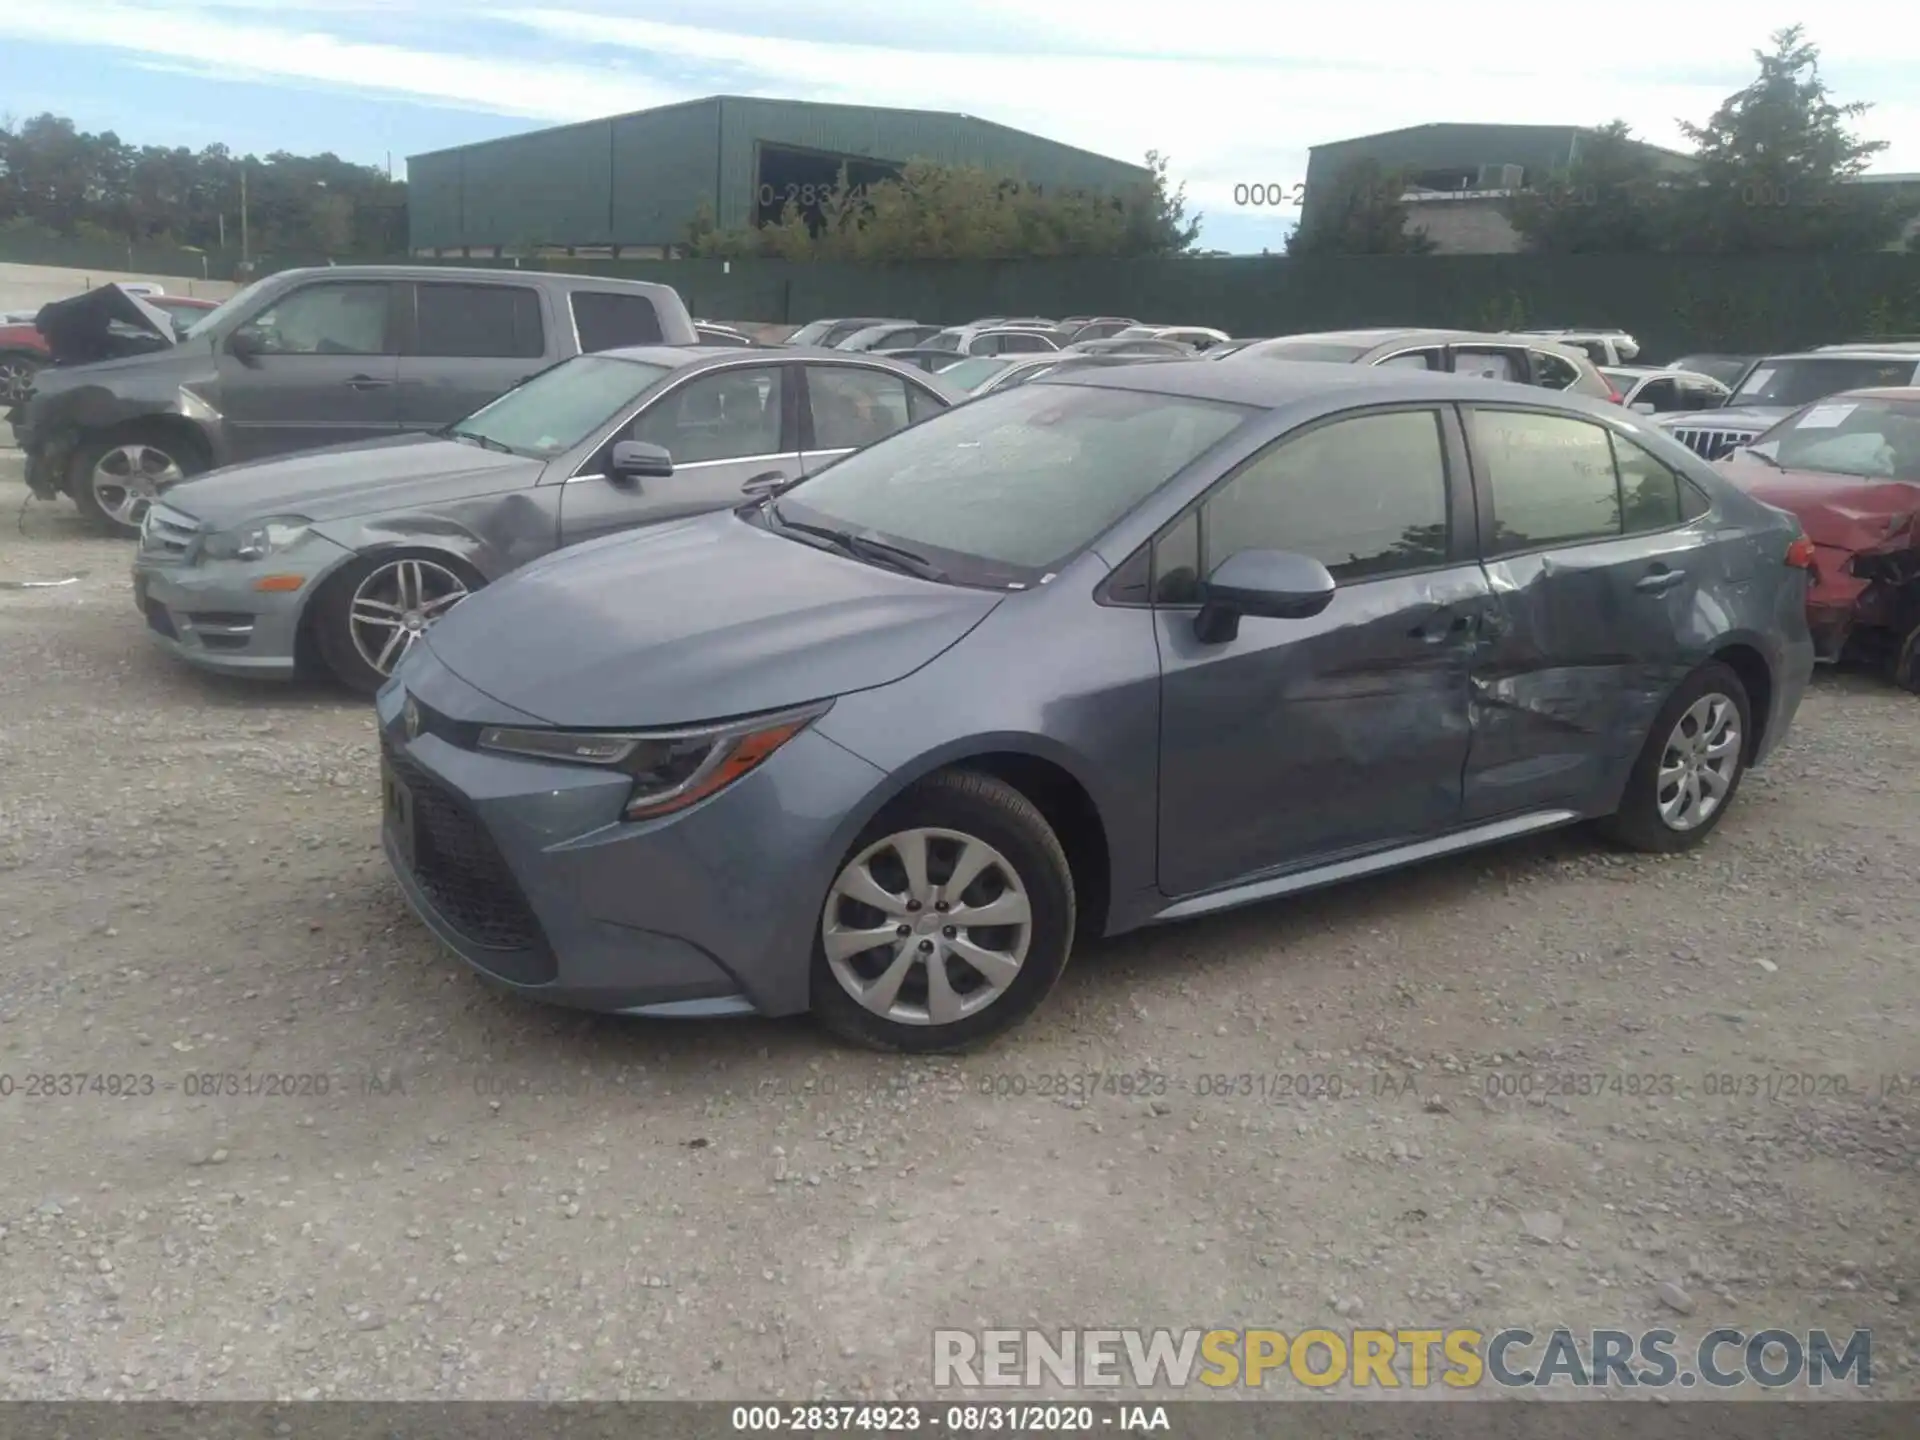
(246, 249)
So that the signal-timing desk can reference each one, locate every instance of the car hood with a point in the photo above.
(697, 620)
(1732, 417)
(355, 479)
(1836, 511)
(105, 323)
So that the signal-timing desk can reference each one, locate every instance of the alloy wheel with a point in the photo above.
(927, 926)
(129, 478)
(16, 379)
(1700, 762)
(395, 604)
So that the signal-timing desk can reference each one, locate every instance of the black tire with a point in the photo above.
(980, 808)
(329, 615)
(17, 369)
(1638, 824)
(182, 454)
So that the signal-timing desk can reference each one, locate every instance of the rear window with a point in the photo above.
(478, 322)
(608, 321)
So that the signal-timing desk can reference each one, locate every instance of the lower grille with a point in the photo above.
(464, 875)
(1711, 444)
(159, 621)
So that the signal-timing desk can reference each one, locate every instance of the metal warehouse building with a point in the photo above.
(631, 183)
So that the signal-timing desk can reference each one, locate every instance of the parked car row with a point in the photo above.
(675, 640)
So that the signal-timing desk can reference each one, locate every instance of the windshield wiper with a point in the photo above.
(863, 547)
(484, 441)
(1762, 455)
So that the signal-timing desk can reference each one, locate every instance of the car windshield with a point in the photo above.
(1871, 439)
(1001, 491)
(558, 408)
(944, 340)
(1804, 379)
(972, 374)
(239, 301)
(1344, 354)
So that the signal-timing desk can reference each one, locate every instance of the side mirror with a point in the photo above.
(767, 483)
(243, 344)
(638, 460)
(1641, 407)
(1272, 584)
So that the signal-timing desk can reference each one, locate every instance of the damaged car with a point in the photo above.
(1848, 468)
(301, 360)
(1777, 386)
(347, 555)
(102, 324)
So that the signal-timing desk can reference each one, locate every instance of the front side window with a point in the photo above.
(1025, 344)
(855, 406)
(608, 321)
(1662, 394)
(730, 414)
(1702, 395)
(1365, 496)
(329, 319)
(1863, 439)
(1550, 478)
(558, 408)
(478, 321)
(1012, 485)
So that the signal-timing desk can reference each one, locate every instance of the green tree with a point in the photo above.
(1773, 162)
(1613, 197)
(1361, 212)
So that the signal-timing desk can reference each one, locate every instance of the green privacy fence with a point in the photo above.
(1671, 303)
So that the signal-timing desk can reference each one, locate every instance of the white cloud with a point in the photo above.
(1253, 85)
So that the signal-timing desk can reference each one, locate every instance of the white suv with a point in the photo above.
(1603, 347)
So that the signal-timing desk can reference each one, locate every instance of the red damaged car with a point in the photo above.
(1848, 467)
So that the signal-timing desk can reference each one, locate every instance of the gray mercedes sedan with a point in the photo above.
(1123, 646)
(347, 555)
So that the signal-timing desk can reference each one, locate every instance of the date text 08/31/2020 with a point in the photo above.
(971, 1419)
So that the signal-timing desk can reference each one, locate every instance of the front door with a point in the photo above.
(320, 369)
(849, 407)
(722, 427)
(1301, 740)
(1593, 553)
(467, 344)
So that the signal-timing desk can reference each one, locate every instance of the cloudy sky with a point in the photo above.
(1232, 90)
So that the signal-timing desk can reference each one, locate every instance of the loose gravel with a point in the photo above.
(310, 1157)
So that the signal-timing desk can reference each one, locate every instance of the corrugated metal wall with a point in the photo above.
(637, 179)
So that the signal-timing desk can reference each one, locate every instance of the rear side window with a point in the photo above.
(1551, 479)
(608, 321)
(1487, 364)
(1024, 344)
(1650, 493)
(1554, 372)
(478, 322)
(1366, 496)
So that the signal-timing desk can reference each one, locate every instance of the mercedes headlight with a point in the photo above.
(257, 539)
(671, 769)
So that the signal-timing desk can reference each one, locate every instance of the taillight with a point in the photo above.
(1800, 553)
(1616, 397)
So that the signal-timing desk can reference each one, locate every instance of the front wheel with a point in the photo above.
(1690, 768)
(948, 922)
(375, 610)
(16, 376)
(115, 478)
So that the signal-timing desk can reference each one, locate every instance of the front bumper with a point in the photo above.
(526, 871)
(210, 615)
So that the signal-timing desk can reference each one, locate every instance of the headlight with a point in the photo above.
(257, 539)
(671, 769)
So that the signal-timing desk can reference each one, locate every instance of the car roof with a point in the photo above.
(1863, 352)
(681, 357)
(1284, 382)
(562, 278)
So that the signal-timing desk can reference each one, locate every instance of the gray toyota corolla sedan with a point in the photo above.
(348, 554)
(1126, 646)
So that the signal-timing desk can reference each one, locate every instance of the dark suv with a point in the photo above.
(311, 358)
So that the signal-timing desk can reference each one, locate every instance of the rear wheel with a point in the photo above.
(115, 478)
(375, 610)
(949, 921)
(1690, 768)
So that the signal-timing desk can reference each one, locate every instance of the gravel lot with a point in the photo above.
(494, 1200)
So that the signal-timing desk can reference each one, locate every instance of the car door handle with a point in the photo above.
(1658, 582)
(367, 382)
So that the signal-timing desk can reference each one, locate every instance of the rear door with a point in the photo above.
(322, 370)
(723, 427)
(849, 407)
(1595, 554)
(468, 343)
